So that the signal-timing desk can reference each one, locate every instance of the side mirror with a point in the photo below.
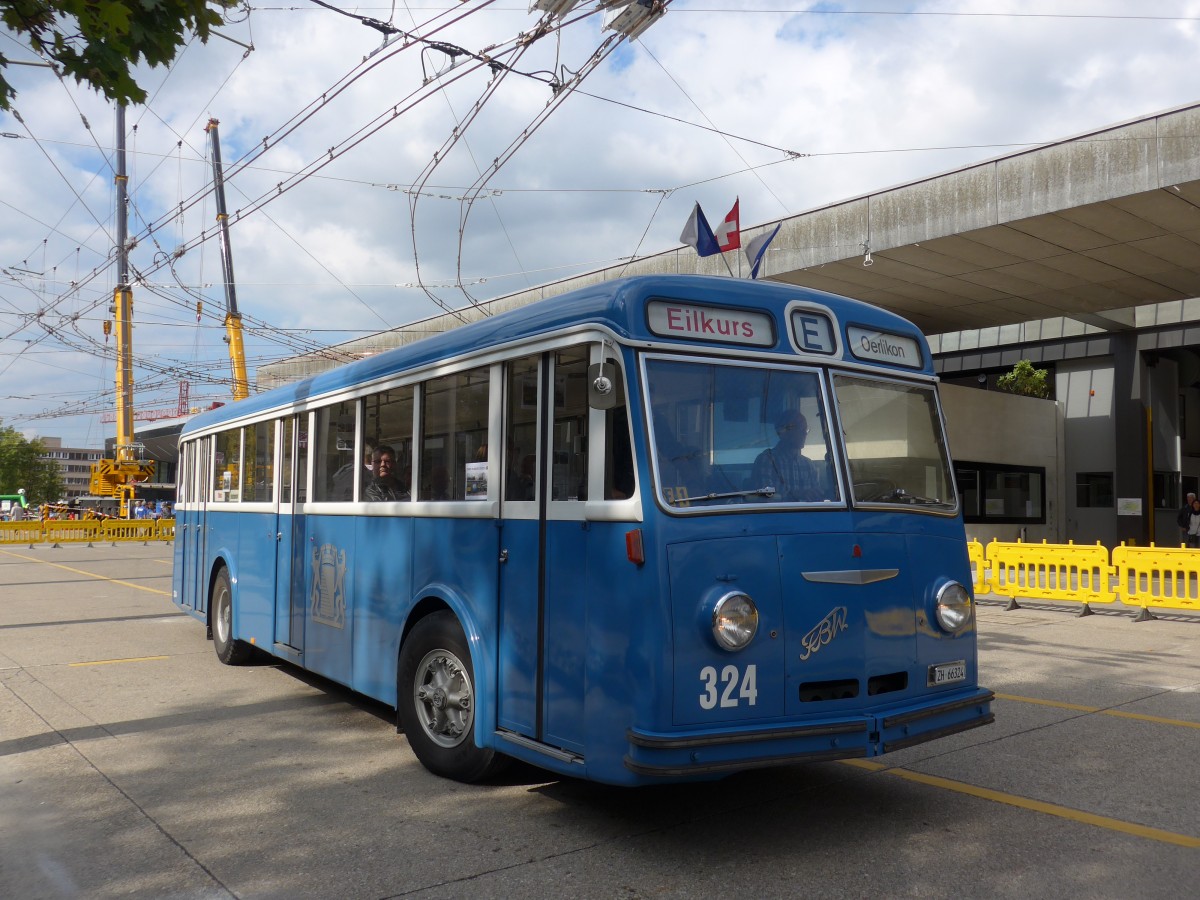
(604, 386)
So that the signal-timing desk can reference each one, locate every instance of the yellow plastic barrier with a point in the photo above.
(27, 531)
(979, 566)
(62, 531)
(1050, 572)
(1158, 577)
(79, 531)
(129, 530)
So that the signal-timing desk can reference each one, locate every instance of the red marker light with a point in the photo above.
(633, 547)
(857, 554)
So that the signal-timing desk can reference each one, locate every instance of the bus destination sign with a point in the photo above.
(881, 346)
(710, 323)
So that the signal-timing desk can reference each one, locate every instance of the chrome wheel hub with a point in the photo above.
(443, 696)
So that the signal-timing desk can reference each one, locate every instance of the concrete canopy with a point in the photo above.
(1084, 227)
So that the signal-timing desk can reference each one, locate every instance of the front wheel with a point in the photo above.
(435, 700)
(220, 603)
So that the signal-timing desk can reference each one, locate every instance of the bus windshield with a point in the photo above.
(894, 443)
(728, 433)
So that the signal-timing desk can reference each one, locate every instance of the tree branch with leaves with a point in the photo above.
(99, 42)
(1025, 380)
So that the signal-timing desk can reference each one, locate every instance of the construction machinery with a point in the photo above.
(233, 319)
(119, 476)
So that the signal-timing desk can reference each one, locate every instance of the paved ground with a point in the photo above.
(133, 764)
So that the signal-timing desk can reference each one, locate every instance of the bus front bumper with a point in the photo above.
(682, 754)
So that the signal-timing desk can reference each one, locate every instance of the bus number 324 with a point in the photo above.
(737, 686)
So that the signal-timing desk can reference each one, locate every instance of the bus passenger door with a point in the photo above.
(289, 572)
(543, 597)
(521, 512)
(195, 581)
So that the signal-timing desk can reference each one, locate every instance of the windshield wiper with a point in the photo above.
(767, 491)
(900, 495)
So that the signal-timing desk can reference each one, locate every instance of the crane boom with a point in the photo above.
(233, 319)
(118, 477)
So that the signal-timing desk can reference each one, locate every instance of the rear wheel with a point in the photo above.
(220, 603)
(435, 700)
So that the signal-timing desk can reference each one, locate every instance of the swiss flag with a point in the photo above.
(729, 232)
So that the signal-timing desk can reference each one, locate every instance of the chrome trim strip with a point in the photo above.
(906, 718)
(686, 742)
(889, 746)
(678, 770)
(851, 576)
(530, 744)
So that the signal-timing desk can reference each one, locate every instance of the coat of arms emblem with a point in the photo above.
(328, 590)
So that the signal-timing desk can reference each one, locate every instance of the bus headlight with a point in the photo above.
(734, 621)
(953, 607)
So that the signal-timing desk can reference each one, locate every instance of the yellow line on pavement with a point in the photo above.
(1182, 723)
(108, 662)
(1050, 809)
(140, 587)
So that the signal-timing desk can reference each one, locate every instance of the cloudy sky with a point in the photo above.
(358, 172)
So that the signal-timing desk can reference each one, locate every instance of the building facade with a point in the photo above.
(74, 466)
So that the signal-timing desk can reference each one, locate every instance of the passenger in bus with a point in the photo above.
(439, 483)
(784, 466)
(518, 481)
(343, 478)
(384, 485)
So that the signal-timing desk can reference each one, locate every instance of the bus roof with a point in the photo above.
(617, 304)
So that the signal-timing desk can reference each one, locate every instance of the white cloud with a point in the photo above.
(862, 92)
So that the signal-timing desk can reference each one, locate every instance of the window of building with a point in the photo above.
(998, 494)
(1094, 489)
(1167, 491)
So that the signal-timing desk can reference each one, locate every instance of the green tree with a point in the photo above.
(98, 41)
(1025, 380)
(21, 466)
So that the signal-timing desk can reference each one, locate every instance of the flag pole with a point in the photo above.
(728, 268)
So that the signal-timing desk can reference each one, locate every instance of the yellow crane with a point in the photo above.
(119, 476)
(233, 319)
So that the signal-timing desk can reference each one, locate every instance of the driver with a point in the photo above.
(784, 466)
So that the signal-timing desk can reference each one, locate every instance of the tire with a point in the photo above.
(220, 603)
(435, 701)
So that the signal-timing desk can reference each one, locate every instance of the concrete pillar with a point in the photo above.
(1129, 419)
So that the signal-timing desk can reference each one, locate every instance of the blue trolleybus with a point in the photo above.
(661, 528)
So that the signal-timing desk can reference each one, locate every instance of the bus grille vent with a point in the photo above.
(885, 684)
(838, 689)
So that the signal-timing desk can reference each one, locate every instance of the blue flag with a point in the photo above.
(757, 248)
(698, 233)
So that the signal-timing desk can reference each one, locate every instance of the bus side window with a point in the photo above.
(619, 479)
(454, 425)
(387, 423)
(258, 450)
(569, 462)
(520, 429)
(227, 481)
(335, 452)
